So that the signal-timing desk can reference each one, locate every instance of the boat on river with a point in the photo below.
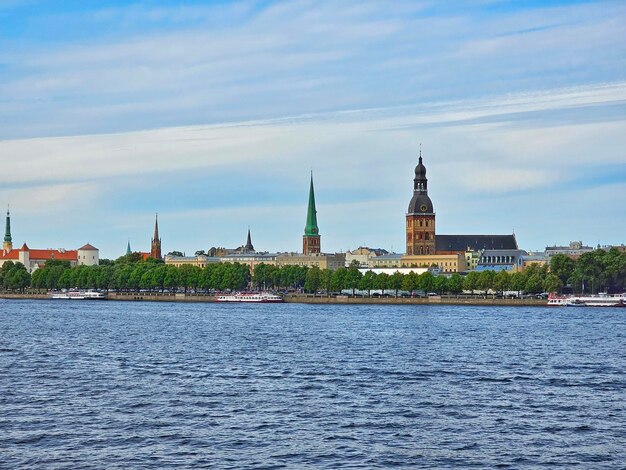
(252, 297)
(599, 300)
(78, 295)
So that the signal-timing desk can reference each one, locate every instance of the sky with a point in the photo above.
(213, 115)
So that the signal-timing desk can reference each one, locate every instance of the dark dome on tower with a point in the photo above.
(420, 170)
(420, 202)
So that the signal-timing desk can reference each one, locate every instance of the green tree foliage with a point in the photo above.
(455, 283)
(605, 270)
(14, 277)
(562, 266)
(313, 280)
(470, 282)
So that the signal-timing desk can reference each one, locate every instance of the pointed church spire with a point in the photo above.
(155, 248)
(249, 247)
(128, 250)
(311, 227)
(311, 239)
(8, 241)
(156, 227)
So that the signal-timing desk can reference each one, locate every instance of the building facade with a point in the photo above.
(319, 260)
(573, 250)
(454, 263)
(364, 256)
(34, 259)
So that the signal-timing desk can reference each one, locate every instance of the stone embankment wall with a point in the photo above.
(308, 299)
(435, 300)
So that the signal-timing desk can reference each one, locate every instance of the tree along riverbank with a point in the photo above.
(308, 299)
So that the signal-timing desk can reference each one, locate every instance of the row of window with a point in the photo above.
(422, 222)
(498, 259)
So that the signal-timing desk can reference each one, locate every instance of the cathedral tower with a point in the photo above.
(7, 245)
(311, 239)
(155, 247)
(420, 217)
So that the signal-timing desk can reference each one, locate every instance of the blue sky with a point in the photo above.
(213, 114)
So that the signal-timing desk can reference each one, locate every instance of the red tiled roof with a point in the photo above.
(69, 255)
(88, 247)
(13, 254)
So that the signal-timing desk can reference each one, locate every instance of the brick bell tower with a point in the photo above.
(420, 217)
(311, 241)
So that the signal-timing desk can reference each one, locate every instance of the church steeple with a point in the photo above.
(311, 239)
(155, 248)
(128, 250)
(7, 245)
(420, 216)
(249, 247)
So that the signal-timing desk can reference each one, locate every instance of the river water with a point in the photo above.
(159, 385)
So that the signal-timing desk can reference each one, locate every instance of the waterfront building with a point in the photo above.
(447, 263)
(34, 259)
(155, 244)
(7, 244)
(537, 259)
(573, 250)
(200, 261)
(501, 260)
(472, 258)
(450, 244)
(311, 240)
(389, 260)
(320, 260)
(364, 256)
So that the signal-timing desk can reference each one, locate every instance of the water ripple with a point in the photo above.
(145, 385)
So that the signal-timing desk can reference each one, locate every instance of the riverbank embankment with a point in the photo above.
(309, 299)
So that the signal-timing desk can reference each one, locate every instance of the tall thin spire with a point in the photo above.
(7, 245)
(128, 250)
(249, 246)
(311, 227)
(311, 241)
(155, 248)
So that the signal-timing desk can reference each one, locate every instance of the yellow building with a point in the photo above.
(199, 261)
(454, 263)
(319, 260)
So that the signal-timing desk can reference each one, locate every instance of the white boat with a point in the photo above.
(263, 297)
(555, 300)
(78, 295)
(600, 300)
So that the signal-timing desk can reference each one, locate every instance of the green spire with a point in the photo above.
(128, 252)
(311, 215)
(7, 230)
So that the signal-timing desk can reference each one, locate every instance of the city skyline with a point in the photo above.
(213, 116)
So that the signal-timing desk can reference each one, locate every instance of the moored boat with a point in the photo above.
(78, 295)
(262, 297)
(599, 300)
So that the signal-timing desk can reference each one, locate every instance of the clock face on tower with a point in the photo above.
(423, 207)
